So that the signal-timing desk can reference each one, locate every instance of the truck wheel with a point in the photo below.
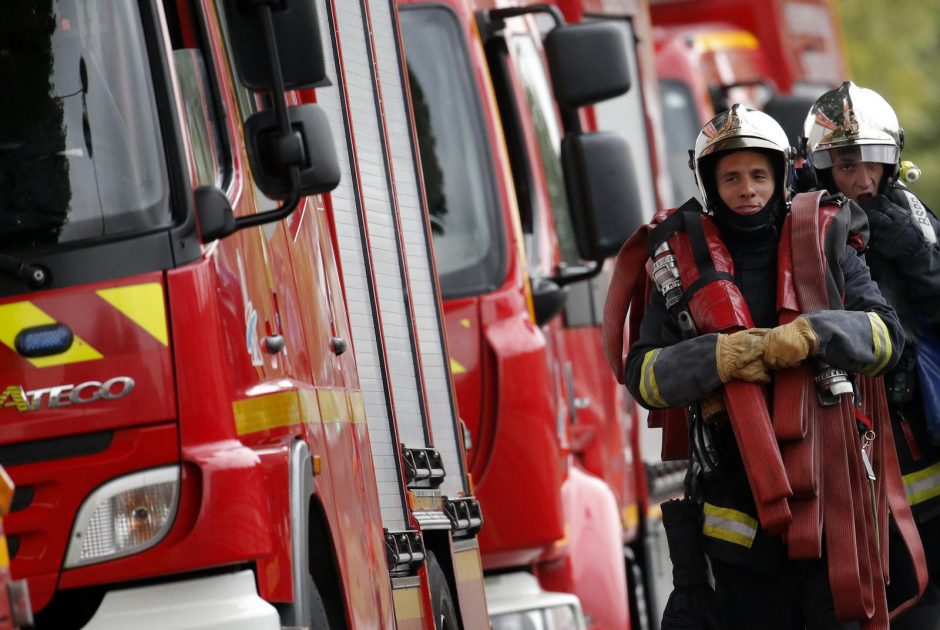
(442, 602)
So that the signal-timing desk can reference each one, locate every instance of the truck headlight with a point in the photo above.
(124, 516)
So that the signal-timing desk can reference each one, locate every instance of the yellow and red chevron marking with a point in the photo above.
(21, 315)
(143, 304)
(111, 316)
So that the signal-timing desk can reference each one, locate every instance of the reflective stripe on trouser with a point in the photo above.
(729, 525)
(922, 485)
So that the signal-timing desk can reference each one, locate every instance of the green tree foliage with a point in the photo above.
(894, 48)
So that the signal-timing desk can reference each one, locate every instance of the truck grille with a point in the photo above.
(56, 448)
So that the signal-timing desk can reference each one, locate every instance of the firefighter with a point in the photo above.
(853, 143)
(742, 163)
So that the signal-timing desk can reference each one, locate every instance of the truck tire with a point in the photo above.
(442, 602)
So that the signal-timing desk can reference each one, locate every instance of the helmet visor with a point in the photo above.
(881, 153)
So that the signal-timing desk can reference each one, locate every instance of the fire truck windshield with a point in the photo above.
(80, 145)
(458, 176)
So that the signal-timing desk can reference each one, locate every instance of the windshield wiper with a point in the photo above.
(33, 276)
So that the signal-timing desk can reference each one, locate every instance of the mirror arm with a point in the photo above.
(553, 11)
(570, 275)
(494, 21)
(571, 121)
(280, 109)
(270, 216)
(267, 25)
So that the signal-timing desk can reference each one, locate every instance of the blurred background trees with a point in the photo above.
(894, 48)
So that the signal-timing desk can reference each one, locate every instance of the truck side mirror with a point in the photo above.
(296, 31)
(277, 48)
(603, 195)
(309, 147)
(214, 214)
(548, 299)
(587, 63)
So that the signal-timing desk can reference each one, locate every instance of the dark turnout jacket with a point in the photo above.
(904, 258)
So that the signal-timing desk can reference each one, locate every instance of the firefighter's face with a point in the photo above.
(855, 179)
(745, 181)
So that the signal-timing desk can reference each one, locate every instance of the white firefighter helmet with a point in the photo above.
(740, 127)
(852, 118)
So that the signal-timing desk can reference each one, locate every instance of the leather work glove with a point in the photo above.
(788, 345)
(740, 356)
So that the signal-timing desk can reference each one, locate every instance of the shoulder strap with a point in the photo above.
(673, 223)
(811, 276)
(917, 211)
(698, 241)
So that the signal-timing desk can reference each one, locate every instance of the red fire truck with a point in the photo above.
(801, 38)
(777, 56)
(225, 394)
(513, 184)
(702, 70)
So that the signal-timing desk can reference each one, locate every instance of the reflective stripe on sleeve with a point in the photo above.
(729, 525)
(881, 342)
(649, 390)
(922, 485)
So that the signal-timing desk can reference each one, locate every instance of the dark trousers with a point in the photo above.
(795, 597)
(926, 614)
